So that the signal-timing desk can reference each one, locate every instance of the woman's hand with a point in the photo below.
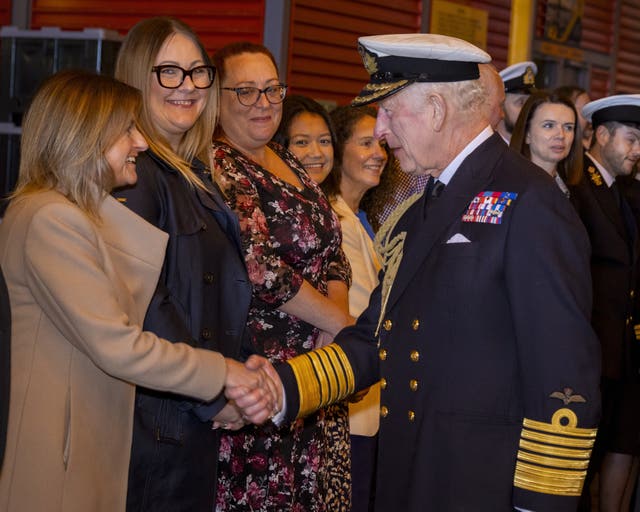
(229, 418)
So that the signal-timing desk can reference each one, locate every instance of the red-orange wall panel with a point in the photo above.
(5, 12)
(627, 64)
(323, 58)
(216, 22)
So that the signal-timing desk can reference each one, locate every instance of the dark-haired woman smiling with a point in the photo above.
(299, 275)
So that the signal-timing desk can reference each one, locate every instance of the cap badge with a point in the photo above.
(594, 176)
(567, 396)
(529, 77)
(368, 59)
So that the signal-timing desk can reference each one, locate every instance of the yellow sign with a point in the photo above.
(451, 19)
(565, 52)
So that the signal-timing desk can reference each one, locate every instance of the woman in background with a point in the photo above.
(360, 160)
(547, 133)
(81, 270)
(579, 97)
(203, 294)
(306, 131)
(300, 276)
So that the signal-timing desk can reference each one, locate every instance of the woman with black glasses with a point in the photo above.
(291, 242)
(203, 294)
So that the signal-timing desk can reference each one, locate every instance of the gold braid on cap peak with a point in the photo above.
(390, 250)
(324, 376)
(553, 458)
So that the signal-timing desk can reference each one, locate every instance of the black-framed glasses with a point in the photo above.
(172, 77)
(249, 96)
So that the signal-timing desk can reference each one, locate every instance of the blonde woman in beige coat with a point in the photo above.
(80, 270)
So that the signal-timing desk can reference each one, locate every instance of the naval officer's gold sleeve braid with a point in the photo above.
(324, 376)
(553, 457)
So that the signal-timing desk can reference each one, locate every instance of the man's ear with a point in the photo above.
(439, 107)
(602, 135)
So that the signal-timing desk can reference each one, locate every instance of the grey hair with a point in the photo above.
(467, 96)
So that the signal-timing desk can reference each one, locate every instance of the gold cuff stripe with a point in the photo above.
(554, 450)
(559, 429)
(324, 376)
(308, 386)
(557, 440)
(549, 481)
(552, 461)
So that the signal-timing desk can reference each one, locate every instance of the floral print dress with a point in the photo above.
(288, 235)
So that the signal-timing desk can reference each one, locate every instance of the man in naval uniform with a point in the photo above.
(519, 81)
(480, 327)
(611, 224)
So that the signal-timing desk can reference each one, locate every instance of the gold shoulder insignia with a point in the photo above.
(567, 396)
(594, 175)
(324, 376)
(553, 457)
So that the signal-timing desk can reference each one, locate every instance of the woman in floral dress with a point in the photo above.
(300, 276)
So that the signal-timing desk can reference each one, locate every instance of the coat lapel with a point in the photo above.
(138, 250)
(424, 232)
(227, 219)
(605, 197)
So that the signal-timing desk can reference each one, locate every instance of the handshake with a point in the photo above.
(254, 393)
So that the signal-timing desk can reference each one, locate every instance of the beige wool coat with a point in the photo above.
(79, 290)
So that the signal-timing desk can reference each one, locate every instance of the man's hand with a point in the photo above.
(251, 386)
(273, 379)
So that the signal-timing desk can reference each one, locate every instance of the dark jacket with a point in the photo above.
(484, 338)
(202, 299)
(5, 363)
(614, 259)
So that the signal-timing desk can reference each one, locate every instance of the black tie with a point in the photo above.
(616, 194)
(431, 192)
(438, 187)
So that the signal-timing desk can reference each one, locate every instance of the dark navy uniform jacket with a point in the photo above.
(202, 299)
(489, 365)
(614, 259)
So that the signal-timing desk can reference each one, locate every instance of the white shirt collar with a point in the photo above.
(606, 175)
(450, 170)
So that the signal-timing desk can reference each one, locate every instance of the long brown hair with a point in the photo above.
(74, 118)
(135, 60)
(570, 168)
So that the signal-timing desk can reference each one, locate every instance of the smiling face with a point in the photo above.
(550, 135)
(121, 156)
(363, 158)
(249, 128)
(619, 151)
(310, 142)
(174, 111)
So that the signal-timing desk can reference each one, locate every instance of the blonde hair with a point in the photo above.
(135, 60)
(75, 117)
